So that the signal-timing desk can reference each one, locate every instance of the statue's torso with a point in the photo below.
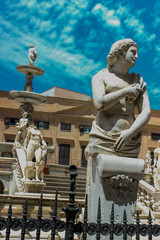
(121, 115)
(35, 137)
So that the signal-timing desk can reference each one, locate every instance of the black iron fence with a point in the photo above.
(71, 227)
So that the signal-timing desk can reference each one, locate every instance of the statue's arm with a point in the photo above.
(103, 101)
(143, 117)
(35, 54)
(23, 124)
(144, 113)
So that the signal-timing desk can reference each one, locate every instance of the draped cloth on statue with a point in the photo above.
(102, 142)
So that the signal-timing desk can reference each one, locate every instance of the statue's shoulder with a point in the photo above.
(100, 75)
(136, 78)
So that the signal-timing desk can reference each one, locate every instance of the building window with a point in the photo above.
(152, 157)
(83, 159)
(10, 140)
(2, 187)
(11, 121)
(41, 125)
(64, 154)
(155, 136)
(85, 129)
(66, 126)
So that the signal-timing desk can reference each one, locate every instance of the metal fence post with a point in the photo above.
(71, 211)
(9, 222)
(24, 221)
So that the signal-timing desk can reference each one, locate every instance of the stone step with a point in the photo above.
(63, 168)
(65, 186)
(61, 188)
(64, 183)
(61, 181)
(64, 193)
(66, 178)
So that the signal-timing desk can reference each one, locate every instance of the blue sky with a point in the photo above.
(73, 39)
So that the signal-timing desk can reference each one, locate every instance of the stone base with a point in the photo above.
(27, 97)
(32, 186)
(115, 180)
(36, 71)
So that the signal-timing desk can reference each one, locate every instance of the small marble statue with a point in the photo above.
(156, 170)
(148, 161)
(35, 147)
(32, 55)
(22, 127)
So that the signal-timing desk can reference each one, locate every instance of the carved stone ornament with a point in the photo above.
(121, 185)
(28, 85)
(122, 182)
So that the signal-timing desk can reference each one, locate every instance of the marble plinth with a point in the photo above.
(27, 97)
(6, 147)
(32, 186)
(36, 71)
(115, 180)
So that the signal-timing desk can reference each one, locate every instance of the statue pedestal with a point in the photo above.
(115, 180)
(32, 186)
(27, 100)
(30, 71)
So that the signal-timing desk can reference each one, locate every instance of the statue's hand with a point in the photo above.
(134, 90)
(124, 138)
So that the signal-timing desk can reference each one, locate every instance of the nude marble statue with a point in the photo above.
(35, 147)
(113, 169)
(116, 94)
(148, 162)
(21, 126)
(156, 167)
(32, 55)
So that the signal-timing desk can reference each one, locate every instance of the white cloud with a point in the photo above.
(108, 16)
(156, 90)
(156, 22)
(26, 3)
(133, 21)
(152, 37)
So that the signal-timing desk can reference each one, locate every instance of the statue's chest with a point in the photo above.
(114, 84)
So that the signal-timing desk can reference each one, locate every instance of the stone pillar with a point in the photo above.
(115, 180)
(2, 128)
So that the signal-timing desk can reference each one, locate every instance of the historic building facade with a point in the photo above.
(65, 120)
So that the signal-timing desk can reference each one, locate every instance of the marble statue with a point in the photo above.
(32, 54)
(35, 147)
(115, 138)
(22, 127)
(156, 165)
(116, 93)
(148, 161)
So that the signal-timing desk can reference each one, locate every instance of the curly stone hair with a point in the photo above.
(118, 48)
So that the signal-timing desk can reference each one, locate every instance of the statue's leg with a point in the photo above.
(17, 138)
(23, 135)
(41, 174)
(30, 152)
(38, 156)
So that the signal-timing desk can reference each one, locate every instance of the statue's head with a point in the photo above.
(24, 115)
(118, 49)
(31, 46)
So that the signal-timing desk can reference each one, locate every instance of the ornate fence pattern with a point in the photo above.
(70, 227)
